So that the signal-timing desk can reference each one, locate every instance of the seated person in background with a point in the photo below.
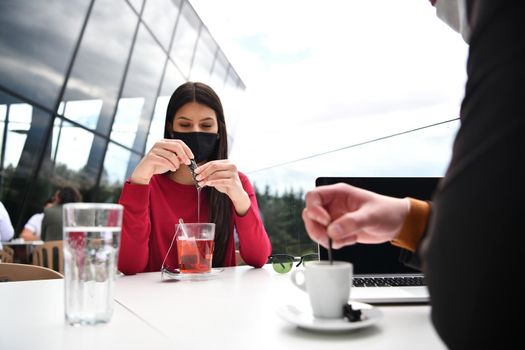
(32, 228)
(52, 221)
(161, 189)
(6, 227)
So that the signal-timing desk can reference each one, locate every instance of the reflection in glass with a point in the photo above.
(23, 131)
(232, 80)
(136, 4)
(185, 38)
(99, 67)
(402, 155)
(127, 119)
(106, 103)
(115, 165)
(86, 112)
(280, 190)
(19, 117)
(220, 67)
(204, 56)
(138, 96)
(116, 169)
(72, 137)
(57, 129)
(3, 115)
(156, 131)
(68, 162)
(172, 79)
(35, 55)
(161, 16)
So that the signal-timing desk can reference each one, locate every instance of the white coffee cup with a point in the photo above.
(327, 285)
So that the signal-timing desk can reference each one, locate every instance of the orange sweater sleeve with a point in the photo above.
(414, 225)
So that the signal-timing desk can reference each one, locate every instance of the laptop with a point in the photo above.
(379, 276)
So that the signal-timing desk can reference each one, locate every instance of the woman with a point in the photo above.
(161, 189)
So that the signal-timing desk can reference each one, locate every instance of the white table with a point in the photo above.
(234, 310)
(32, 317)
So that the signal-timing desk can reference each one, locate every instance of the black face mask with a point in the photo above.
(202, 144)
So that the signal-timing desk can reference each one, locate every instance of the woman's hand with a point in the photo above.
(165, 155)
(349, 215)
(224, 177)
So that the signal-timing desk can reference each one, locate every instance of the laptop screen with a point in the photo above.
(379, 258)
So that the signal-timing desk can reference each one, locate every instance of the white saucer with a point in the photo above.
(191, 276)
(305, 319)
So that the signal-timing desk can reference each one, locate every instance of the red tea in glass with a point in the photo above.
(195, 255)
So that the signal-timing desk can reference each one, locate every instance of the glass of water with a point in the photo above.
(91, 245)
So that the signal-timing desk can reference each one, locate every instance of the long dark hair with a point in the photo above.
(219, 203)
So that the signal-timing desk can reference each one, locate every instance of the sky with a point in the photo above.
(323, 75)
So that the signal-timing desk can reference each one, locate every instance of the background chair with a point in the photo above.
(9, 250)
(24, 272)
(5, 256)
(50, 255)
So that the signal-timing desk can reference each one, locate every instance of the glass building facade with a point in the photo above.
(84, 86)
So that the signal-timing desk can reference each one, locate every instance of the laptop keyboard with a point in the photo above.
(408, 281)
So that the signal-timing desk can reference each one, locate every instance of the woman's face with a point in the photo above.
(195, 117)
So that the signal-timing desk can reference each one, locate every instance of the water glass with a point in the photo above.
(91, 245)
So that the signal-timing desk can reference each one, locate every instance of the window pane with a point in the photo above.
(71, 166)
(204, 56)
(116, 170)
(136, 4)
(160, 16)
(402, 155)
(72, 149)
(115, 165)
(126, 120)
(36, 51)
(24, 141)
(172, 79)
(99, 68)
(185, 38)
(138, 96)
(280, 190)
(232, 80)
(220, 67)
(19, 116)
(86, 112)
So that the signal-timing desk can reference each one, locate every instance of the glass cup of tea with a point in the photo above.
(195, 247)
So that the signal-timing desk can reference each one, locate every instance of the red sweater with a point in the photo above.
(151, 212)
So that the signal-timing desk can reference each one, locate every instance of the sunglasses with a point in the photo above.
(283, 263)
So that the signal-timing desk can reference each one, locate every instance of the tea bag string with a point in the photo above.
(169, 249)
(330, 251)
(182, 225)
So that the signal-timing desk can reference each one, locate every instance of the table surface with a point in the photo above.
(19, 241)
(236, 309)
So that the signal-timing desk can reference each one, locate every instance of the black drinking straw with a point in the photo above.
(330, 251)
